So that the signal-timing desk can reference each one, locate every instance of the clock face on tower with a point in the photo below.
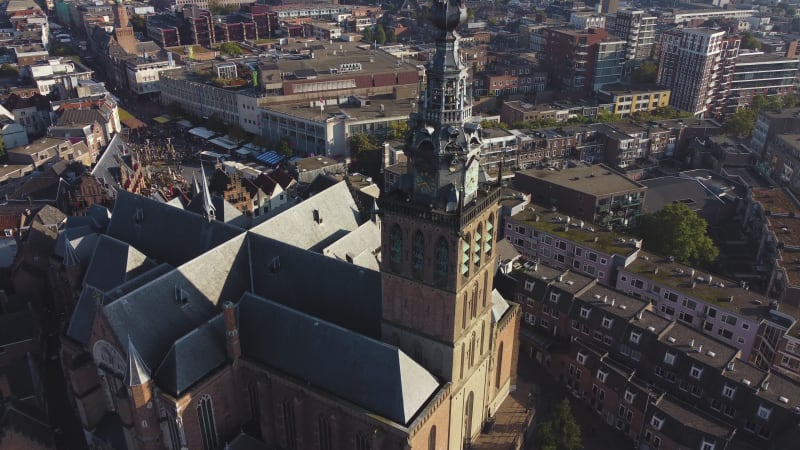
(425, 182)
(106, 355)
(471, 178)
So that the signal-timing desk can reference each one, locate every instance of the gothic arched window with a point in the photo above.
(477, 246)
(396, 247)
(442, 260)
(472, 350)
(289, 424)
(499, 367)
(419, 255)
(489, 237)
(363, 442)
(483, 333)
(465, 253)
(325, 441)
(208, 426)
(432, 438)
(474, 306)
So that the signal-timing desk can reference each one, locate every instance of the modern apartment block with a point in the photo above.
(771, 123)
(627, 100)
(638, 29)
(761, 74)
(594, 194)
(581, 62)
(782, 161)
(697, 65)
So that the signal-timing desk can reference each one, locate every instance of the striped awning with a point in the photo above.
(271, 157)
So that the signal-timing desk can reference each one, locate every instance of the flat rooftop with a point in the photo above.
(698, 346)
(595, 180)
(711, 288)
(776, 201)
(38, 145)
(349, 112)
(694, 419)
(613, 302)
(553, 222)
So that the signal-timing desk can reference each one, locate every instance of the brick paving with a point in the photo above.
(512, 420)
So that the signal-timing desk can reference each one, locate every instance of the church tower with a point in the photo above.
(123, 32)
(438, 235)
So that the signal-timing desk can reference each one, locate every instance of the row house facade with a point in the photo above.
(782, 161)
(657, 380)
(558, 241)
(711, 304)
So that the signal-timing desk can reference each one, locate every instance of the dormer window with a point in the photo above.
(764, 412)
(629, 396)
(696, 372)
(635, 336)
(607, 323)
(602, 375)
(669, 358)
(656, 422)
(181, 296)
(581, 358)
(728, 391)
(585, 312)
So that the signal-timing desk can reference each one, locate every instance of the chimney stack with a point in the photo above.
(232, 345)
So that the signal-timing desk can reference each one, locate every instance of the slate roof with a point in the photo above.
(159, 313)
(108, 167)
(363, 371)
(342, 293)
(361, 246)
(335, 208)
(82, 239)
(165, 233)
(499, 306)
(192, 357)
(245, 442)
(113, 263)
(137, 373)
(80, 324)
(666, 190)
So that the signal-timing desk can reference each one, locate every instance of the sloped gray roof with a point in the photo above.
(339, 292)
(192, 357)
(82, 239)
(363, 371)
(113, 263)
(499, 306)
(245, 442)
(165, 233)
(335, 208)
(80, 324)
(363, 242)
(108, 164)
(81, 116)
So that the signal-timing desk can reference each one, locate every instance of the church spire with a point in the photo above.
(209, 211)
(138, 373)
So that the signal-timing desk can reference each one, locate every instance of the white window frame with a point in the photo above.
(656, 422)
(728, 391)
(635, 337)
(669, 358)
(764, 412)
(581, 358)
(607, 323)
(602, 375)
(696, 372)
(629, 396)
(585, 312)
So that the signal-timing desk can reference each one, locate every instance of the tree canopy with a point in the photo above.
(230, 48)
(380, 34)
(750, 41)
(7, 70)
(741, 123)
(365, 155)
(646, 73)
(678, 231)
(560, 431)
(367, 34)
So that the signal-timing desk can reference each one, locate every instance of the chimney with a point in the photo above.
(700, 348)
(691, 344)
(232, 345)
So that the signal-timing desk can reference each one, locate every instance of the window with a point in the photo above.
(728, 391)
(635, 336)
(707, 445)
(363, 442)
(581, 358)
(499, 371)
(174, 434)
(432, 438)
(656, 422)
(442, 260)
(208, 426)
(575, 325)
(691, 304)
(716, 405)
(418, 265)
(592, 256)
(607, 322)
(289, 424)
(529, 318)
(669, 358)
(668, 310)
(585, 312)
(325, 441)
(729, 319)
(465, 254)
(727, 334)
(696, 372)
(395, 247)
(671, 296)
(578, 251)
(601, 375)
(656, 441)
(764, 412)
(686, 317)
(629, 396)
(529, 286)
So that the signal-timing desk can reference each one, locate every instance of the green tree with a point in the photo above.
(367, 35)
(365, 155)
(139, 23)
(7, 70)
(380, 34)
(750, 41)
(2, 149)
(230, 48)
(789, 101)
(645, 73)
(561, 431)
(678, 231)
(283, 147)
(391, 37)
(604, 116)
(216, 7)
(398, 130)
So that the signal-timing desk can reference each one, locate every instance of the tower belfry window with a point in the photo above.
(487, 243)
(419, 254)
(465, 254)
(395, 247)
(477, 247)
(442, 260)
